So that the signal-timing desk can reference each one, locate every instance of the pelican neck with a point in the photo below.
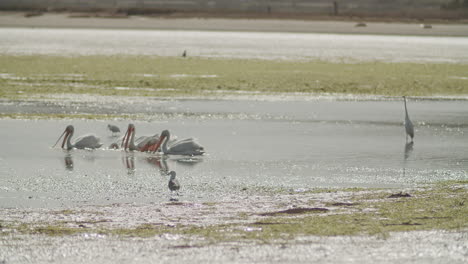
(69, 144)
(132, 144)
(164, 145)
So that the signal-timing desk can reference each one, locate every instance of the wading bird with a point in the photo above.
(408, 125)
(113, 129)
(178, 147)
(143, 143)
(173, 184)
(83, 142)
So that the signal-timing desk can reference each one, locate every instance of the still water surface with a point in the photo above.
(250, 145)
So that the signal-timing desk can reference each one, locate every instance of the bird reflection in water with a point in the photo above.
(159, 163)
(68, 162)
(129, 162)
(408, 149)
(407, 154)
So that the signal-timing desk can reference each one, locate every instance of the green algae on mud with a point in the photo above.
(22, 76)
(435, 207)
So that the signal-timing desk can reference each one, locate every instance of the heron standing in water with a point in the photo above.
(408, 124)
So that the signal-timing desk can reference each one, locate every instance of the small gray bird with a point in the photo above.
(173, 182)
(113, 129)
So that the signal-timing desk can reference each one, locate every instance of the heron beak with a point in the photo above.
(59, 138)
(161, 139)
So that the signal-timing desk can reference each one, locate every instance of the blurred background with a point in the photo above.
(412, 9)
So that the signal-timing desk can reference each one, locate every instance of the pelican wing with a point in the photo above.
(87, 142)
(187, 146)
(144, 141)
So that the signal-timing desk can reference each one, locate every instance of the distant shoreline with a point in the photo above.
(339, 26)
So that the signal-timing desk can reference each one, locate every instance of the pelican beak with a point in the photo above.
(161, 139)
(59, 138)
(65, 138)
(125, 138)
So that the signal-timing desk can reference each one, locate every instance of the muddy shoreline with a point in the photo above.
(67, 20)
(143, 233)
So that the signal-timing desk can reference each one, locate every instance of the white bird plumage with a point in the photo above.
(142, 143)
(187, 146)
(408, 124)
(83, 142)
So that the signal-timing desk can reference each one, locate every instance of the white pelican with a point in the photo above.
(179, 147)
(408, 125)
(113, 129)
(143, 143)
(83, 142)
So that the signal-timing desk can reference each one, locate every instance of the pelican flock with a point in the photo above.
(143, 143)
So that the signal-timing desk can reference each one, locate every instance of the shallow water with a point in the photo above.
(296, 145)
(262, 45)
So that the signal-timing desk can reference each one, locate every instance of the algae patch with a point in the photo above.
(435, 207)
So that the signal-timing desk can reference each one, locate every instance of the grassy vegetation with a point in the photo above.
(23, 76)
(438, 207)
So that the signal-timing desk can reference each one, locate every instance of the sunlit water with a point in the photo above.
(250, 146)
(290, 46)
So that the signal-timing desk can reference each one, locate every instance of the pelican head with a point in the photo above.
(68, 132)
(165, 134)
